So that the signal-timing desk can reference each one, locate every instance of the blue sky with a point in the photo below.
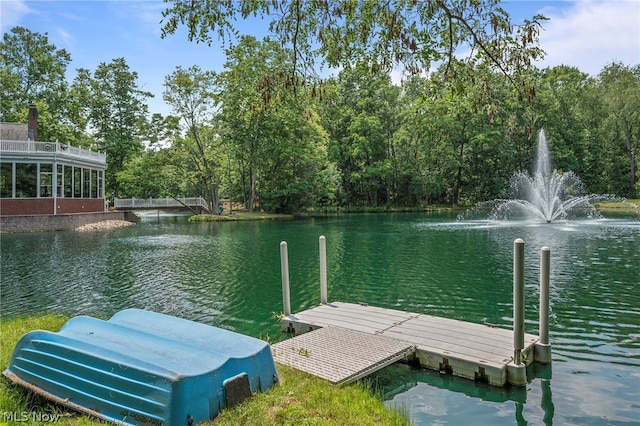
(587, 34)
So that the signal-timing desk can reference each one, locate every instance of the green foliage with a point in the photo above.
(33, 71)
(276, 148)
(409, 33)
(267, 133)
(190, 92)
(620, 94)
(117, 111)
(150, 175)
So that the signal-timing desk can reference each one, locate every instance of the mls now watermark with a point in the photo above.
(25, 416)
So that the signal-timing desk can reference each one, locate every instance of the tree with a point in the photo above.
(117, 113)
(362, 117)
(161, 131)
(409, 33)
(190, 92)
(277, 149)
(33, 71)
(560, 111)
(151, 174)
(620, 91)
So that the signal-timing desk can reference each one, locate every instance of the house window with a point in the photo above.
(86, 183)
(77, 182)
(94, 183)
(60, 180)
(100, 183)
(68, 181)
(46, 180)
(6, 180)
(26, 180)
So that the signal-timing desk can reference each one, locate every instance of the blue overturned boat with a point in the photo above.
(143, 368)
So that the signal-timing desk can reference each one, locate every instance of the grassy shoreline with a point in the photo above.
(628, 207)
(242, 215)
(299, 399)
(619, 207)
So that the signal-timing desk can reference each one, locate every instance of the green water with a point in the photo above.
(228, 275)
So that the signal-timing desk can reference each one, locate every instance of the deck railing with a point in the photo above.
(33, 147)
(159, 203)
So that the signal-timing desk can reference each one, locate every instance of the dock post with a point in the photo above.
(543, 348)
(323, 269)
(518, 300)
(517, 372)
(284, 265)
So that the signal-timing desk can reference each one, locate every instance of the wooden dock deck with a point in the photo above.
(346, 341)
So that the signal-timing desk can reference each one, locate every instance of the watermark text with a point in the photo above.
(26, 416)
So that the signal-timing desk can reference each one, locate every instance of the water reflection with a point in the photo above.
(427, 394)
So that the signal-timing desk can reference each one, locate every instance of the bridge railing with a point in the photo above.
(159, 203)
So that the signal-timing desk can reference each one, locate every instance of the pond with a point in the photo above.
(227, 274)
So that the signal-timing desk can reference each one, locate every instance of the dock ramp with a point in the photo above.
(340, 355)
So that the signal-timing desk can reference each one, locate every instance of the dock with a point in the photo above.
(330, 337)
(342, 342)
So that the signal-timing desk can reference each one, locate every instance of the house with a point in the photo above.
(47, 178)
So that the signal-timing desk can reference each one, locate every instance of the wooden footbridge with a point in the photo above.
(343, 342)
(198, 204)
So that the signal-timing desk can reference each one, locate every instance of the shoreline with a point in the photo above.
(104, 225)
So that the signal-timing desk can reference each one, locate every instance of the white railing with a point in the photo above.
(33, 147)
(159, 203)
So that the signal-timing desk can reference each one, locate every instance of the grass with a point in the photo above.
(300, 399)
(628, 206)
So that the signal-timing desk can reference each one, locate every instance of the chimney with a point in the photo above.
(32, 130)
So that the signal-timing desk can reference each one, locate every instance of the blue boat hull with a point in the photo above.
(143, 368)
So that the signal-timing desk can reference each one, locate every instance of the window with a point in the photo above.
(6, 180)
(68, 181)
(26, 178)
(86, 183)
(94, 183)
(60, 180)
(77, 182)
(100, 180)
(46, 180)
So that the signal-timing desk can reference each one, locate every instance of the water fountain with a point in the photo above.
(547, 195)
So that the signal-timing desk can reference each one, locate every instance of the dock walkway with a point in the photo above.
(373, 337)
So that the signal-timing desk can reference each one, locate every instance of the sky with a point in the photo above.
(587, 34)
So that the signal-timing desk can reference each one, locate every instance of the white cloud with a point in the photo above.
(11, 13)
(66, 37)
(591, 34)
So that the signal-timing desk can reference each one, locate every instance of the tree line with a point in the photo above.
(285, 141)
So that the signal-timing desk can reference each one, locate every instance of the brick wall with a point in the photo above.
(80, 205)
(25, 206)
(59, 222)
(33, 206)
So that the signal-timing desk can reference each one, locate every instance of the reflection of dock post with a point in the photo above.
(323, 270)
(543, 348)
(517, 372)
(284, 264)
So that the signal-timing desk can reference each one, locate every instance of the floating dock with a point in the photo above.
(342, 342)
